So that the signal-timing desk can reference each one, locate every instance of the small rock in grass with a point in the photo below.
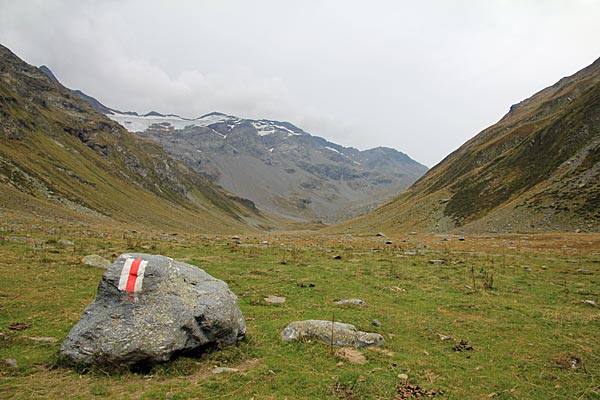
(220, 370)
(375, 323)
(10, 362)
(94, 260)
(344, 335)
(583, 271)
(590, 303)
(403, 377)
(357, 302)
(43, 339)
(275, 299)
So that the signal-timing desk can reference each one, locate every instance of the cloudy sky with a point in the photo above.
(420, 76)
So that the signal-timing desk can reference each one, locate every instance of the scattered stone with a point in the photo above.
(343, 334)
(19, 326)
(420, 246)
(380, 234)
(410, 253)
(275, 299)
(444, 201)
(590, 303)
(389, 242)
(437, 262)
(353, 356)
(403, 377)
(412, 233)
(357, 302)
(220, 370)
(526, 268)
(583, 271)
(339, 364)
(337, 257)
(94, 260)
(43, 339)
(10, 362)
(168, 308)
(461, 239)
(66, 243)
(265, 243)
(304, 285)
(375, 323)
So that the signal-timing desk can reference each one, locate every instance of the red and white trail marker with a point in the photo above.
(132, 275)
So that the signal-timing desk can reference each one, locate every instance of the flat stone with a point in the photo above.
(221, 370)
(344, 335)
(275, 299)
(10, 362)
(357, 302)
(43, 339)
(94, 260)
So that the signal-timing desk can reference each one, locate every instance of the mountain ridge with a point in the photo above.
(536, 169)
(60, 159)
(279, 166)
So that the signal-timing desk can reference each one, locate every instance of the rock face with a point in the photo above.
(150, 308)
(280, 167)
(343, 334)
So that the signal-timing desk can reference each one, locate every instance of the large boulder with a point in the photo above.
(150, 308)
(343, 334)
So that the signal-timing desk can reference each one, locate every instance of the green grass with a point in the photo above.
(525, 327)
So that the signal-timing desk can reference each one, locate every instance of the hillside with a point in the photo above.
(61, 160)
(537, 169)
(280, 167)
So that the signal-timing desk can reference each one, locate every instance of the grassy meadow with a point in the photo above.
(502, 316)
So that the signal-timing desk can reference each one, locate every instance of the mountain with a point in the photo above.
(62, 161)
(277, 165)
(537, 169)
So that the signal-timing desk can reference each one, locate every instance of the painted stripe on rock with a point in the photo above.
(132, 275)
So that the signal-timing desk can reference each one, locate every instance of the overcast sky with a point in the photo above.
(419, 76)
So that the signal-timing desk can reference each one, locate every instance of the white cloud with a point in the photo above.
(421, 77)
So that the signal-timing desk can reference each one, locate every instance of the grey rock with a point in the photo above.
(275, 299)
(357, 302)
(66, 243)
(94, 260)
(343, 334)
(220, 370)
(10, 362)
(178, 308)
(375, 322)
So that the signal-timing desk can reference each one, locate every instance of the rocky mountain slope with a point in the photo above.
(61, 160)
(537, 169)
(277, 165)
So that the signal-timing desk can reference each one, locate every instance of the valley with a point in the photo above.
(523, 304)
